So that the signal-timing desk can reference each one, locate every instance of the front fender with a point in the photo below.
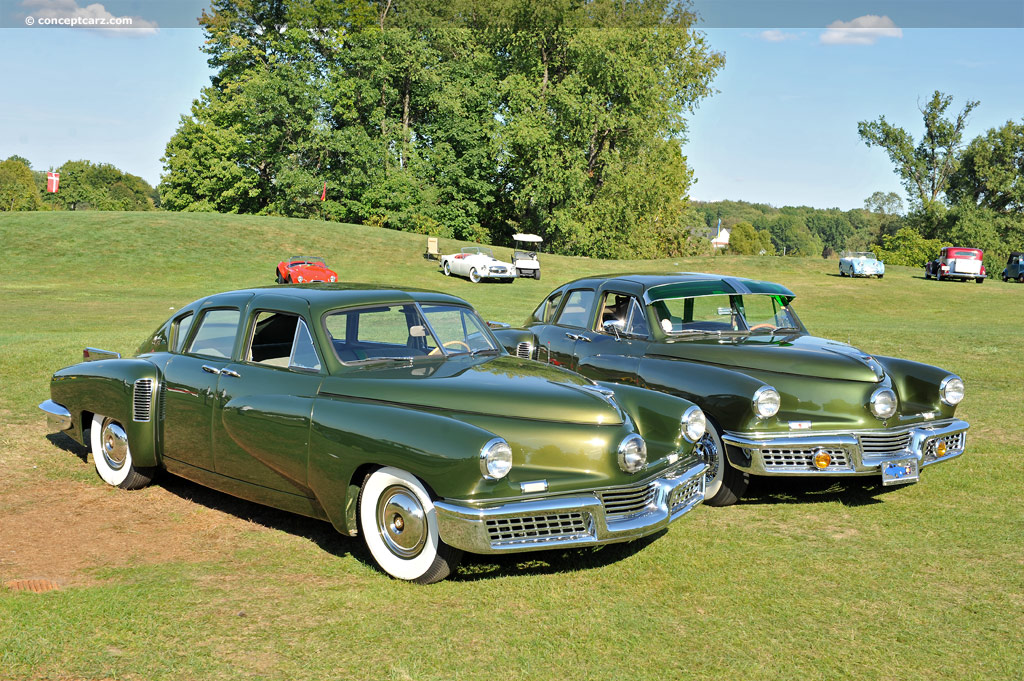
(723, 394)
(107, 387)
(917, 385)
(347, 435)
(656, 415)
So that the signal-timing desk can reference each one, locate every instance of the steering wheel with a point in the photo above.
(448, 343)
(763, 326)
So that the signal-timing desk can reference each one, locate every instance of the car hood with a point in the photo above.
(311, 271)
(800, 355)
(497, 386)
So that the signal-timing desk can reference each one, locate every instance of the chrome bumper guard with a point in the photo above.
(859, 453)
(571, 520)
(58, 419)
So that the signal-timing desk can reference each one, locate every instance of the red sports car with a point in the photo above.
(301, 269)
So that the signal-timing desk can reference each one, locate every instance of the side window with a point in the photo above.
(637, 324)
(623, 308)
(546, 310)
(576, 311)
(392, 331)
(215, 336)
(181, 327)
(282, 340)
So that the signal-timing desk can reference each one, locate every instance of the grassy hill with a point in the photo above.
(800, 580)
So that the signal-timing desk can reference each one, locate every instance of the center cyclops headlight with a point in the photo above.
(883, 403)
(766, 402)
(694, 424)
(632, 453)
(495, 459)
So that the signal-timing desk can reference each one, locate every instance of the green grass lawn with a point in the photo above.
(801, 580)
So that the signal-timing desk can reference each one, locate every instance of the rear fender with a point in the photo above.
(511, 338)
(350, 437)
(108, 387)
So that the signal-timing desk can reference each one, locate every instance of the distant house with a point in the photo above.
(721, 240)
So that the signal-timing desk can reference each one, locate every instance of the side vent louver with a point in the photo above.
(524, 350)
(142, 400)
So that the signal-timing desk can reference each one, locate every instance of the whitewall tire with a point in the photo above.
(399, 525)
(113, 457)
(724, 484)
(474, 276)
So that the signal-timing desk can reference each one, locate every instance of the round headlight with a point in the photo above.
(694, 423)
(883, 403)
(766, 402)
(632, 453)
(495, 459)
(952, 390)
(301, 279)
(333, 279)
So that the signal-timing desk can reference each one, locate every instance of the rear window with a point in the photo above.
(963, 254)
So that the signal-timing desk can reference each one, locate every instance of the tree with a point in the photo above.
(991, 174)
(831, 227)
(17, 186)
(790, 235)
(927, 167)
(908, 247)
(884, 203)
(745, 240)
(85, 185)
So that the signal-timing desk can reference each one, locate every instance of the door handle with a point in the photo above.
(211, 370)
(583, 338)
(229, 372)
(571, 336)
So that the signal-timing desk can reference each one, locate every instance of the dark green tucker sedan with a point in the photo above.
(778, 400)
(393, 414)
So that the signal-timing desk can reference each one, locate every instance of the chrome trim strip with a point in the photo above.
(860, 462)
(94, 354)
(465, 525)
(58, 419)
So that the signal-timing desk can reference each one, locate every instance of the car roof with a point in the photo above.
(321, 297)
(682, 284)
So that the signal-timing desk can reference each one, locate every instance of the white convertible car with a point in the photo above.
(477, 263)
(860, 264)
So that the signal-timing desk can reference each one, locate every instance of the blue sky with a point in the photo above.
(782, 129)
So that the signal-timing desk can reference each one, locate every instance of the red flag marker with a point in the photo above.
(323, 196)
(53, 182)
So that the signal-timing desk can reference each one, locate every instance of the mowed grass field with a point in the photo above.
(801, 580)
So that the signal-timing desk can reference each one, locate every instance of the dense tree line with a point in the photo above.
(469, 119)
(83, 186)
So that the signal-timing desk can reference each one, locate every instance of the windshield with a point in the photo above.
(306, 260)
(406, 332)
(746, 314)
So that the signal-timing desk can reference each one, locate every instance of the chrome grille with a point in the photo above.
(142, 400)
(802, 459)
(538, 528)
(498, 270)
(954, 442)
(524, 350)
(627, 501)
(684, 494)
(162, 402)
(874, 444)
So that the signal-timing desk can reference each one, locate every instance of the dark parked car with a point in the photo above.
(1014, 267)
(778, 400)
(393, 414)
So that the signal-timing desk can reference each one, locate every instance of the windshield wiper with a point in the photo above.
(776, 330)
(372, 360)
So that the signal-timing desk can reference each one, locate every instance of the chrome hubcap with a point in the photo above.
(115, 445)
(401, 522)
(708, 451)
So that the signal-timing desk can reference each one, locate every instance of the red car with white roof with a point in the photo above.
(955, 262)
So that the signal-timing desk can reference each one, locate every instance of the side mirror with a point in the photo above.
(614, 327)
(417, 331)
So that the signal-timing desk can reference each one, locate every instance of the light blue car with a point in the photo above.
(860, 264)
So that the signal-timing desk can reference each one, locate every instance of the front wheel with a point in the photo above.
(474, 276)
(1020, 279)
(113, 457)
(536, 274)
(399, 525)
(447, 269)
(880, 276)
(725, 484)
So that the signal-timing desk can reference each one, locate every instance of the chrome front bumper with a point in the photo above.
(857, 453)
(58, 419)
(604, 516)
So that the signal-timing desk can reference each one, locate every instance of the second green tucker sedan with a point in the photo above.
(778, 400)
(394, 414)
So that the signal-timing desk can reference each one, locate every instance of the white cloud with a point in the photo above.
(94, 17)
(865, 30)
(776, 36)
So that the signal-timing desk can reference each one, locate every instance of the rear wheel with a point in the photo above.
(725, 484)
(1021, 279)
(474, 276)
(880, 276)
(399, 525)
(536, 274)
(980, 280)
(277, 277)
(113, 457)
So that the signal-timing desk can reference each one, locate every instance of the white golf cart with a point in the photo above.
(525, 255)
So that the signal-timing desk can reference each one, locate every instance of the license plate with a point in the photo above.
(900, 472)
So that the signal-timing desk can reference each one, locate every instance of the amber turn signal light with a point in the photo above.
(941, 449)
(822, 459)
